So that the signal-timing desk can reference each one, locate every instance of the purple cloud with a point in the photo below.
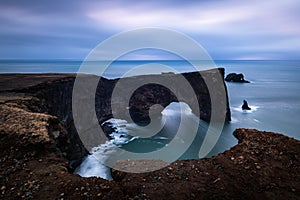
(227, 29)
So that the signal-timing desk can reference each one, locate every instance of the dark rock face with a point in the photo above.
(154, 94)
(55, 98)
(245, 105)
(233, 77)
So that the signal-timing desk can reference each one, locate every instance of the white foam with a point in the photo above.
(239, 109)
(234, 120)
(256, 120)
(93, 167)
(115, 122)
(160, 138)
(175, 108)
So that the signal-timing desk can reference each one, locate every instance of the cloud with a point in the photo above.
(262, 26)
(227, 29)
(226, 17)
(190, 18)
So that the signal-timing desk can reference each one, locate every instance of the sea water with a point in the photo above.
(273, 95)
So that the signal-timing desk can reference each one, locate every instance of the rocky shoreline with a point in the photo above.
(37, 140)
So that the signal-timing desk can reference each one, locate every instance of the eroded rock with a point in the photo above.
(245, 105)
(234, 77)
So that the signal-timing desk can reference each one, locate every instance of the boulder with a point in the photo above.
(233, 77)
(245, 105)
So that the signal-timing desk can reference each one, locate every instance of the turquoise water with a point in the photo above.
(274, 91)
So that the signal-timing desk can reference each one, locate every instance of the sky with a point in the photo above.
(227, 29)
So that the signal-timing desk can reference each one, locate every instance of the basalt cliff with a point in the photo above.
(38, 138)
(52, 94)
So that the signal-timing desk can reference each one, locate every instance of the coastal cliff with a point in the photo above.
(38, 138)
(52, 94)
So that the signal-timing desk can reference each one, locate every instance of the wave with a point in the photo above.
(239, 109)
(122, 133)
(93, 164)
(177, 108)
(92, 167)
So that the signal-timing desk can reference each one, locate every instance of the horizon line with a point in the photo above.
(81, 60)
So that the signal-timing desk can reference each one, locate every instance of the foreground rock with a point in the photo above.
(238, 78)
(262, 166)
(37, 141)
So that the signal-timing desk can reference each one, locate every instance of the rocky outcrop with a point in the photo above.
(56, 93)
(54, 96)
(245, 105)
(253, 169)
(263, 165)
(238, 78)
(152, 94)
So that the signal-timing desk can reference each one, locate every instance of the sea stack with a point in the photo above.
(238, 78)
(245, 105)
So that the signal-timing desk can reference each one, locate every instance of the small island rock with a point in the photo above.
(245, 105)
(233, 77)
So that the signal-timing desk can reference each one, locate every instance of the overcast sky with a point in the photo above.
(52, 29)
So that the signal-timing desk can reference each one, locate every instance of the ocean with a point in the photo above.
(273, 95)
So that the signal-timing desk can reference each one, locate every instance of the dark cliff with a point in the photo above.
(53, 95)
